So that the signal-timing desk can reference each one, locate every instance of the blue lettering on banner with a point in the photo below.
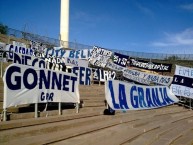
(44, 79)
(149, 100)
(18, 49)
(139, 97)
(28, 60)
(116, 106)
(17, 84)
(47, 97)
(84, 75)
(60, 52)
(122, 97)
(134, 99)
(155, 97)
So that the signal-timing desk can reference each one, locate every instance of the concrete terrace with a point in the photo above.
(172, 125)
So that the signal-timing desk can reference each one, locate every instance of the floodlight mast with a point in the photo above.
(64, 23)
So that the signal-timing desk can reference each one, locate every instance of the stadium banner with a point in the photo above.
(103, 75)
(19, 44)
(18, 49)
(67, 61)
(76, 62)
(144, 78)
(157, 67)
(37, 62)
(182, 84)
(26, 84)
(56, 60)
(61, 52)
(84, 74)
(99, 56)
(29, 60)
(114, 66)
(2, 54)
(120, 59)
(126, 96)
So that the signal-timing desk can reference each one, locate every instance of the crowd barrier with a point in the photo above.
(77, 46)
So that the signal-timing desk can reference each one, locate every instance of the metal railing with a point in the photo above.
(72, 45)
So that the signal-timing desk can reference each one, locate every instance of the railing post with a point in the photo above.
(59, 109)
(77, 107)
(36, 110)
(2, 64)
(4, 114)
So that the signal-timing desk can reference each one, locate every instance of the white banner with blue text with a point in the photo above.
(145, 78)
(182, 84)
(26, 84)
(18, 49)
(126, 96)
(76, 62)
(114, 66)
(37, 62)
(61, 52)
(84, 74)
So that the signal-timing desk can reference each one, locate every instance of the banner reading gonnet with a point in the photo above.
(125, 96)
(27, 84)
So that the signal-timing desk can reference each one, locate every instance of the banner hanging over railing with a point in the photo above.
(120, 59)
(99, 56)
(145, 78)
(182, 84)
(103, 75)
(61, 52)
(18, 49)
(125, 96)
(26, 84)
(157, 67)
(114, 66)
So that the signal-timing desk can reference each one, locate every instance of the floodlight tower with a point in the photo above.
(64, 22)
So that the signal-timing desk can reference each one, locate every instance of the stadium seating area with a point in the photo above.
(171, 125)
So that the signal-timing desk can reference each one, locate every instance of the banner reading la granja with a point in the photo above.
(125, 96)
(26, 84)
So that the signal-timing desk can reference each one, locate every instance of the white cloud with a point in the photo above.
(188, 7)
(181, 39)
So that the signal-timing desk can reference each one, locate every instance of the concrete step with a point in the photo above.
(147, 138)
(66, 129)
(113, 135)
(59, 133)
(170, 136)
(93, 104)
(185, 139)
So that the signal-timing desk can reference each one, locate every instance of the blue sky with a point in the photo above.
(157, 26)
